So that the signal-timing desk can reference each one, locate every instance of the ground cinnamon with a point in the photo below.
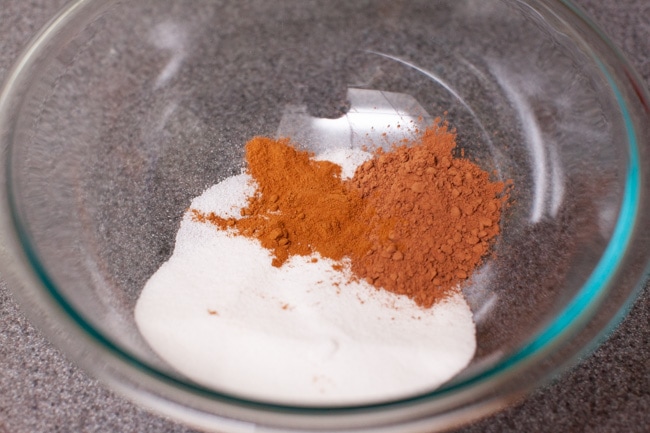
(414, 220)
(301, 205)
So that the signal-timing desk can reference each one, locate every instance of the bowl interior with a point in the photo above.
(140, 106)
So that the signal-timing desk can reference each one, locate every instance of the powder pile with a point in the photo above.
(444, 211)
(413, 220)
(301, 205)
(327, 279)
(221, 314)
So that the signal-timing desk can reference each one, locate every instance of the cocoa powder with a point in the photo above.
(446, 212)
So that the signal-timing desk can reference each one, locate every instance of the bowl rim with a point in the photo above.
(574, 315)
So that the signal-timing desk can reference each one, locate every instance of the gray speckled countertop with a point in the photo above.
(608, 391)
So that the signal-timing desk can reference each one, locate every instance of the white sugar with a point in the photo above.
(219, 313)
(348, 159)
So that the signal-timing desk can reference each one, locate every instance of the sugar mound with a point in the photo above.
(220, 313)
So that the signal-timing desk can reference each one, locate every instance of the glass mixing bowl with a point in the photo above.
(119, 113)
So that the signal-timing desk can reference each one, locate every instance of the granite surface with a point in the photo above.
(608, 391)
